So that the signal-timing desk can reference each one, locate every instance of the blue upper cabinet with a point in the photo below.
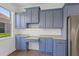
(23, 21)
(46, 19)
(49, 19)
(42, 19)
(32, 15)
(17, 20)
(28, 15)
(73, 10)
(35, 14)
(20, 21)
(58, 21)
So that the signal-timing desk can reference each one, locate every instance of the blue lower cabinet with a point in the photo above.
(24, 44)
(50, 53)
(21, 43)
(53, 47)
(18, 43)
(49, 46)
(46, 45)
(42, 45)
(59, 48)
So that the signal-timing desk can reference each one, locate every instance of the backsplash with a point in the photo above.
(37, 32)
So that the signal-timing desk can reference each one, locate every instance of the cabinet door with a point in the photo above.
(23, 20)
(24, 44)
(28, 15)
(49, 46)
(58, 18)
(73, 10)
(42, 45)
(21, 43)
(17, 20)
(49, 19)
(42, 19)
(60, 48)
(35, 15)
(18, 43)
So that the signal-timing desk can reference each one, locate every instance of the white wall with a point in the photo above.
(7, 45)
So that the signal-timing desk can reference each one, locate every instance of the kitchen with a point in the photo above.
(41, 29)
(36, 25)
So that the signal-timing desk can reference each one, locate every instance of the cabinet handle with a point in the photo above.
(60, 43)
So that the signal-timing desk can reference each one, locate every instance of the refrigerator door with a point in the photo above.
(77, 44)
(73, 33)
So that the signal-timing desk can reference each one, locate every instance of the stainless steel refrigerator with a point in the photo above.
(73, 35)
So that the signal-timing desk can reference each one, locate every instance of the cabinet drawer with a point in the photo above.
(60, 41)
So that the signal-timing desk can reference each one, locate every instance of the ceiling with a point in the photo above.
(43, 6)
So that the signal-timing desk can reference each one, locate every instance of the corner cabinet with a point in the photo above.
(20, 20)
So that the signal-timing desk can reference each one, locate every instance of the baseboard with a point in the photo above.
(32, 50)
(10, 52)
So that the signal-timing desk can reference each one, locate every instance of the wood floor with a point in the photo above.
(28, 53)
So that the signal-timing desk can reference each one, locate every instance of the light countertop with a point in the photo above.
(53, 36)
(43, 36)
